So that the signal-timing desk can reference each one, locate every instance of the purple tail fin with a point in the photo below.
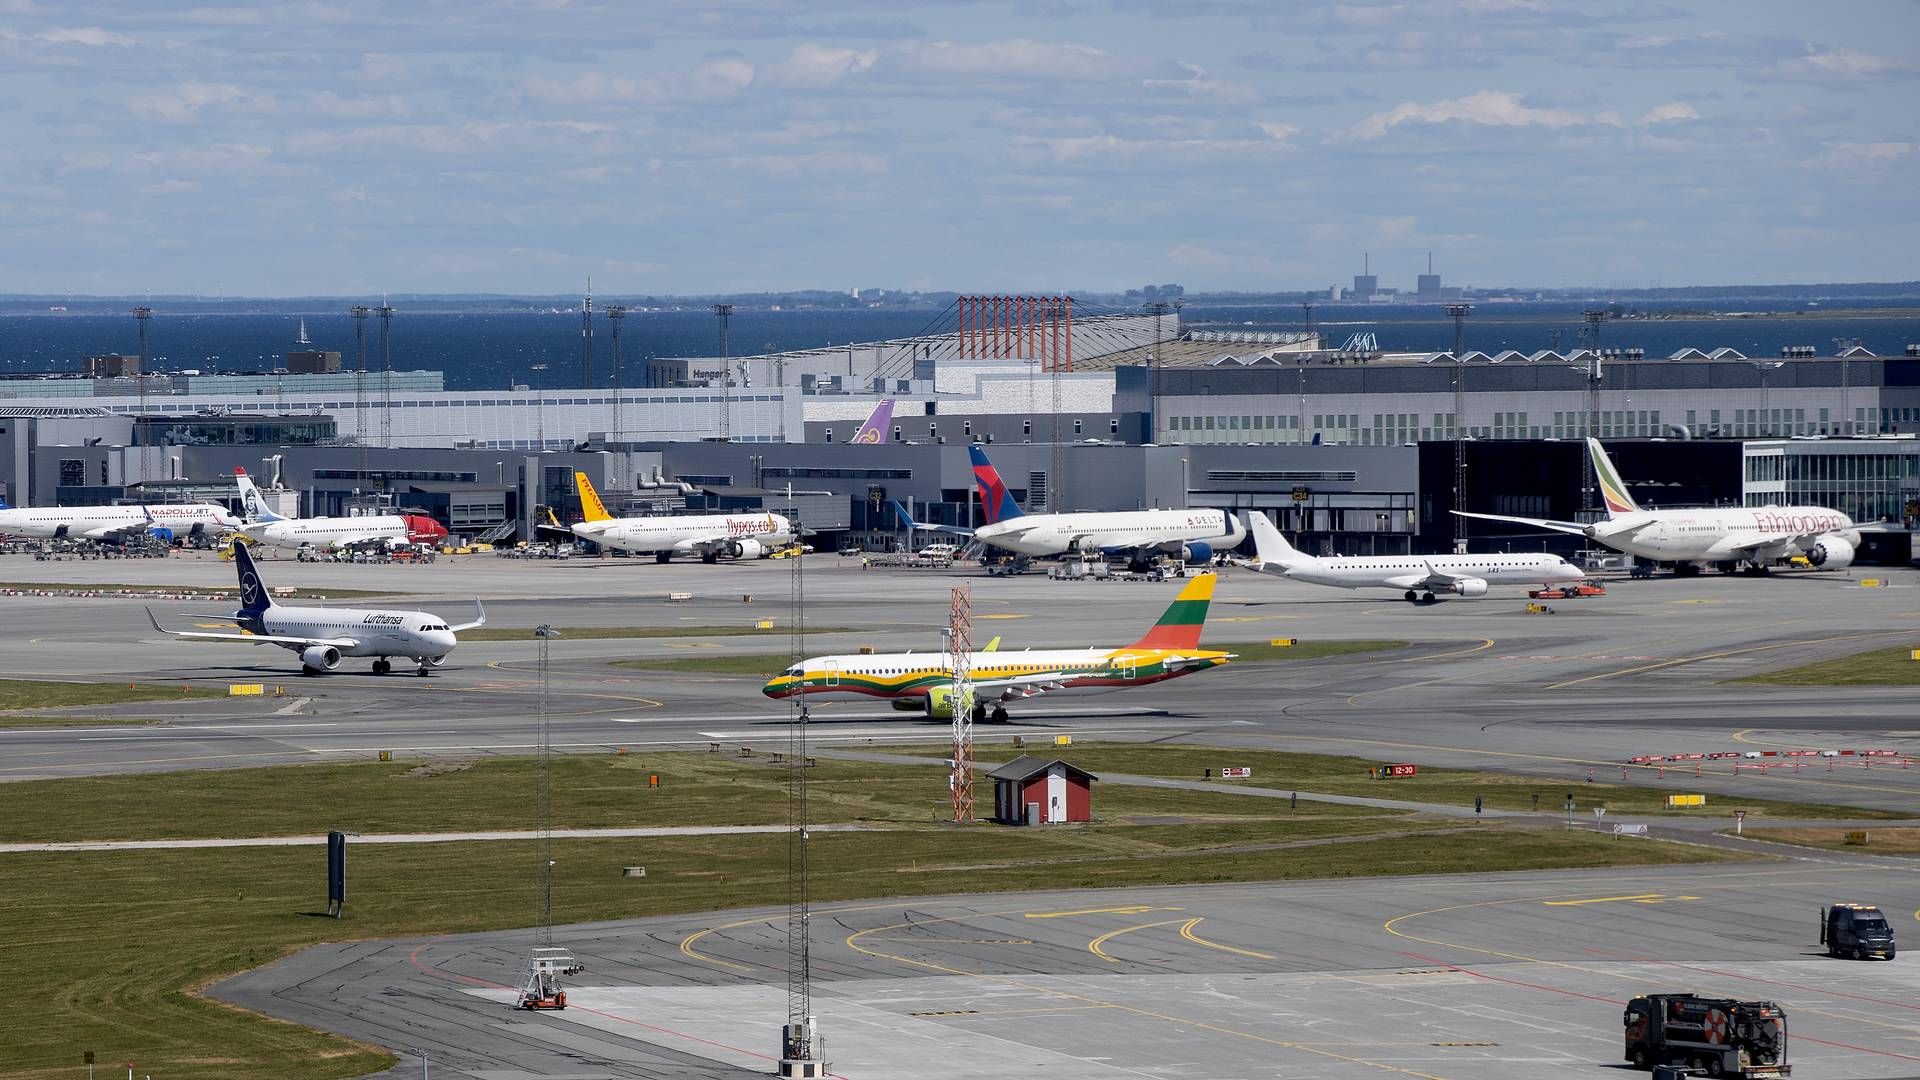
(874, 431)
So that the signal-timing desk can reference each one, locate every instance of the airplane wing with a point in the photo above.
(927, 526)
(479, 618)
(115, 532)
(703, 543)
(1755, 541)
(1574, 527)
(252, 639)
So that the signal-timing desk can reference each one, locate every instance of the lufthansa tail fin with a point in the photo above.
(995, 500)
(253, 592)
(1180, 627)
(874, 431)
(591, 508)
(1271, 546)
(253, 506)
(1612, 491)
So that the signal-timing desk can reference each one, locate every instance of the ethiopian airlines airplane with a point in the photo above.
(1192, 535)
(322, 635)
(268, 527)
(738, 536)
(1421, 576)
(1755, 536)
(115, 524)
(923, 682)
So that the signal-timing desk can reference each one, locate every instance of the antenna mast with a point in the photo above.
(960, 637)
(802, 1050)
(359, 313)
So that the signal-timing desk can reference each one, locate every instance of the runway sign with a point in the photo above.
(246, 689)
(1388, 772)
(1857, 838)
(1236, 772)
(1686, 800)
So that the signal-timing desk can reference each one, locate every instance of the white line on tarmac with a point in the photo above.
(186, 728)
(413, 838)
(262, 733)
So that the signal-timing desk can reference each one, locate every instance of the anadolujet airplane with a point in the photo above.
(738, 536)
(1421, 577)
(268, 527)
(323, 635)
(1191, 535)
(1756, 536)
(116, 524)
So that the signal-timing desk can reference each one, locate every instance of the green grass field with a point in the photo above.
(1348, 776)
(1893, 841)
(44, 694)
(1879, 667)
(512, 633)
(1245, 652)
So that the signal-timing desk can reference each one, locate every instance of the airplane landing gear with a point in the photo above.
(1426, 598)
(999, 714)
(382, 666)
(709, 557)
(1412, 596)
(662, 556)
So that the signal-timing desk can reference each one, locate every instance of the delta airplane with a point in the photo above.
(923, 682)
(739, 536)
(1192, 535)
(1755, 537)
(116, 524)
(1421, 576)
(323, 635)
(268, 527)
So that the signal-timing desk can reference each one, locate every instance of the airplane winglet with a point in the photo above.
(155, 620)
(479, 620)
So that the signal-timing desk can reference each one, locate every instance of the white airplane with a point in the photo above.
(738, 536)
(1755, 537)
(323, 635)
(115, 524)
(1192, 535)
(268, 527)
(1420, 576)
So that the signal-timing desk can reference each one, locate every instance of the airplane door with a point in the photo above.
(1126, 666)
(833, 672)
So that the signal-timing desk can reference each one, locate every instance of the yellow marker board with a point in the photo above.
(1686, 800)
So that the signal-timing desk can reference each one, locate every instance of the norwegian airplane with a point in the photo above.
(1755, 537)
(270, 528)
(323, 635)
(116, 524)
(1421, 577)
(737, 536)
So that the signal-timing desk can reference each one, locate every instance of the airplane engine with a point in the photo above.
(319, 658)
(435, 661)
(747, 549)
(161, 533)
(1197, 552)
(915, 705)
(1472, 586)
(939, 703)
(1831, 553)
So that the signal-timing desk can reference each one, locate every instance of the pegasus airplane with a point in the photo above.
(322, 635)
(115, 524)
(268, 527)
(1191, 535)
(1420, 576)
(923, 682)
(1755, 537)
(874, 431)
(737, 536)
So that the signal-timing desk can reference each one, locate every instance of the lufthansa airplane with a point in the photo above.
(323, 635)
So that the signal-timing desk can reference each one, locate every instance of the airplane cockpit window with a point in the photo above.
(792, 672)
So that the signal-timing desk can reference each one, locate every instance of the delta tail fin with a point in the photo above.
(252, 507)
(995, 500)
(1271, 546)
(591, 508)
(1180, 627)
(874, 431)
(254, 599)
(1612, 491)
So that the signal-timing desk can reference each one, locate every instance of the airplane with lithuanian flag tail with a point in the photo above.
(923, 682)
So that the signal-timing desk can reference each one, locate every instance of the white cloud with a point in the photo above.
(714, 80)
(86, 35)
(328, 103)
(1276, 131)
(1671, 111)
(821, 65)
(187, 99)
(1013, 57)
(1494, 108)
(1853, 62)
(1864, 154)
(722, 78)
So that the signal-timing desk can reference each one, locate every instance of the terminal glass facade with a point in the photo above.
(1868, 480)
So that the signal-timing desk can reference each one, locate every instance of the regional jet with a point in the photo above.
(268, 527)
(322, 636)
(1755, 537)
(1421, 577)
(923, 682)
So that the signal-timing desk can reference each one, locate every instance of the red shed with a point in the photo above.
(1034, 791)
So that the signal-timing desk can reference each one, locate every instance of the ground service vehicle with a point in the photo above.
(1856, 930)
(1719, 1036)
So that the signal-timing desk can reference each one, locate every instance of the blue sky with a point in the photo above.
(346, 148)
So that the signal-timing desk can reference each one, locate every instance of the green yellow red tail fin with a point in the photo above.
(1180, 627)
